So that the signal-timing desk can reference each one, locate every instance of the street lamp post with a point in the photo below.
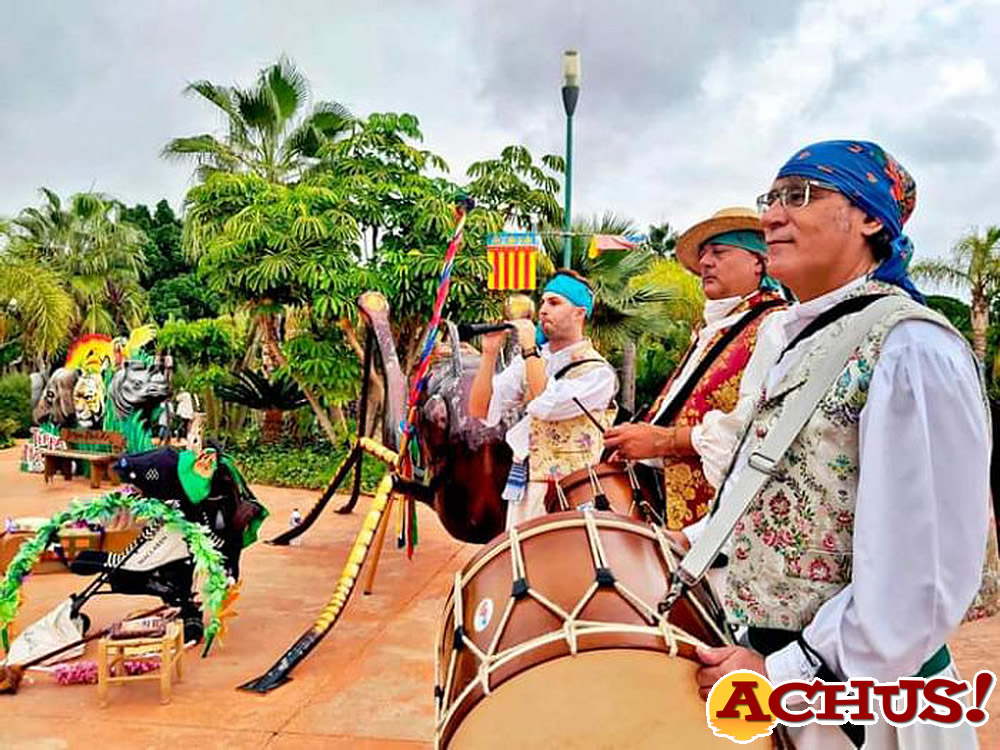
(570, 94)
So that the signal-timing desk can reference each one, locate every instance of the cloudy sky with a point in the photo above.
(686, 106)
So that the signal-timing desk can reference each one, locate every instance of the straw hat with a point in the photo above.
(727, 220)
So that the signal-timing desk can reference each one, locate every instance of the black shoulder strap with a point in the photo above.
(566, 368)
(682, 395)
(835, 313)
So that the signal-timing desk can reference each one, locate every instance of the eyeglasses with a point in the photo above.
(791, 195)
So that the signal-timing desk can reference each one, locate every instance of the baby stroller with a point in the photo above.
(209, 490)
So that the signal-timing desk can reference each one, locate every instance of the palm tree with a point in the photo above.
(271, 131)
(96, 254)
(273, 396)
(272, 138)
(975, 266)
(628, 304)
(662, 239)
(35, 308)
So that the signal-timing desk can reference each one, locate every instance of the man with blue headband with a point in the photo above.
(554, 438)
(728, 253)
(861, 546)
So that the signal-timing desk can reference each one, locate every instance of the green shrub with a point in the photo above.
(310, 466)
(15, 403)
(7, 428)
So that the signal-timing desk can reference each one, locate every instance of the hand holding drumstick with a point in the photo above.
(634, 441)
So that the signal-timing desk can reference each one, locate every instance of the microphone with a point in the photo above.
(467, 331)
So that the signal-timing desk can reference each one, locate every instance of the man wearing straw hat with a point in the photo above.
(728, 252)
(856, 549)
(554, 438)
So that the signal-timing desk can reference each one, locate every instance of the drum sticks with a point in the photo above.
(589, 416)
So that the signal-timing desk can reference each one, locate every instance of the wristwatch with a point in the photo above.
(532, 352)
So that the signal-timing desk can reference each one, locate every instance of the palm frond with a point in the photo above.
(940, 272)
(256, 391)
(288, 87)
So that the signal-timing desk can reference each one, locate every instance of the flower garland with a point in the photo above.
(208, 560)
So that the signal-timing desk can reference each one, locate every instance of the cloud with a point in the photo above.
(637, 58)
(948, 138)
(685, 107)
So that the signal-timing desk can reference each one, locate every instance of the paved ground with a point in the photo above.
(368, 685)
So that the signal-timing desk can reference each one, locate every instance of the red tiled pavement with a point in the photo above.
(367, 685)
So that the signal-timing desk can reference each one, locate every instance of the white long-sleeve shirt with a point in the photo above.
(921, 515)
(595, 388)
(713, 436)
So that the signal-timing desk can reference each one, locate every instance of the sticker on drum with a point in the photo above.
(484, 613)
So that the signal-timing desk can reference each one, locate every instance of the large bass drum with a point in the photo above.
(552, 637)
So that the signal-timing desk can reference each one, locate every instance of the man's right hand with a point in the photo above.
(493, 342)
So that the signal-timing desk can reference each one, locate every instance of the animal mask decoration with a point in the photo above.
(88, 400)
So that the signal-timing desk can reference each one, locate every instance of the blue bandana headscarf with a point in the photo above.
(572, 289)
(876, 183)
(752, 242)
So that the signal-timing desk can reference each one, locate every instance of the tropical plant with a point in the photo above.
(662, 239)
(15, 404)
(273, 249)
(974, 266)
(36, 310)
(956, 311)
(274, 396)
(170, 278)
(294, 239)
(95, 252)
(383, 179)
(210, 341)
(521, 191)
(272, 139)
(271, 131)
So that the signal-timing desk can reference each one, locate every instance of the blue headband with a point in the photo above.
(753, 242)
(875, 182)
(573, 290)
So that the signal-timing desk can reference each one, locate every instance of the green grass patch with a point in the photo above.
(309, 466)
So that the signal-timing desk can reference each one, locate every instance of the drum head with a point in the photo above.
(616, 698)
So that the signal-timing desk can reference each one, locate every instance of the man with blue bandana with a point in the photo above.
(864, 547)
(554, 438)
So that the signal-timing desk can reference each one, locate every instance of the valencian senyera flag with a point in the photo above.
(513, 258)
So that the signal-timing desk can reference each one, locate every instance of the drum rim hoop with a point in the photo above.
(446, 714)
(445, 724)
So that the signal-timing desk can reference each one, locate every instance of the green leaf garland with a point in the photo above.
(208, 560)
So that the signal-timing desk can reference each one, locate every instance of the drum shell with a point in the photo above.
(559, 566)
(578, 490)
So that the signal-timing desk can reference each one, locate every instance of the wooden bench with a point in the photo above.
(110, 444)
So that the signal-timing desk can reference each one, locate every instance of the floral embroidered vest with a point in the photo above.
(792, 548)
(561, 447)
(689, 495)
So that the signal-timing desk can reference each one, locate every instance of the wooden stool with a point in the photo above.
(111, 653)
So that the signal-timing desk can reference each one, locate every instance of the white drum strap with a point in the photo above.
(595, 482)
(670, 557)
(561, 496)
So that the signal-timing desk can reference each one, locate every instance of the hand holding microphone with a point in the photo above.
(519, 310)
(494, 334)
(468, 331)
